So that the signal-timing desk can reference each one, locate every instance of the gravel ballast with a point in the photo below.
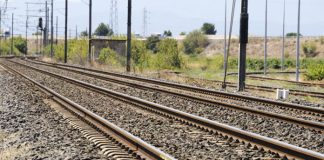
(179, 140)
(30, 129)
(286, 132)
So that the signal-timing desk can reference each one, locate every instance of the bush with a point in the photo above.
(315, 72)
(322, 40)
(309, 49)
(195, 42)
(140, 57)
(20, 44)
(108, 56)
(151, 43)
(168, 56)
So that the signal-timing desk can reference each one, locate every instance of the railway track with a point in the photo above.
(205, 124)
(318, 112)
(282, 80)
(261, 88)
(115, 142)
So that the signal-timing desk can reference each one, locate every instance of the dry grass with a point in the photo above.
(256, 47)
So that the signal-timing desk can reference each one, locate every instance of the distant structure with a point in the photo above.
(114, 16)
(145, 23)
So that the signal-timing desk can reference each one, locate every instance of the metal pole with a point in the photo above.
(56, 30)
(66, 32)
(298, 44)
(283, 38)
(37, 48)
(129, 36)
(12, 35)
(225, 36)
(26, 35)
(76, 32)
(45, 28)
(90, 30)
(244, 35)
(266, 39)
(52, 29)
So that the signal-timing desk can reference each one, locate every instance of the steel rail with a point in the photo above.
(305, 123)
(263, 88)
(282, 80)
(200, 90)
(284, 149)
(137, 145)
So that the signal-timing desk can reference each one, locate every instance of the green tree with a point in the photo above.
(167, 33)
(168, 56)
(84, 33)
(183, 33)
(151, 43)
(195, 42)
(103, 30)
(208, 29)
(292, 34)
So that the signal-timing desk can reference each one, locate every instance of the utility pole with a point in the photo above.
(56, 30)
(266, 39)
(90, 30)
(27, 32)
(225, 36)
(298, 44)
(45, 28)
(244, 35)
(76, 32)
(52, 29)
(129, 36)
(283, 38)
(12, 35)
(65, 30)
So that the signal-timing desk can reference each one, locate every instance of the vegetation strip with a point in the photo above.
(316, 125)
(274, 145)
(200, 90)
(139, 145)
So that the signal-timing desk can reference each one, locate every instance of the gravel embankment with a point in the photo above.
(179, 140)
(29, 129)
(282, 131)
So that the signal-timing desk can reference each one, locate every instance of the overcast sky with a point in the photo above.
(176, 15)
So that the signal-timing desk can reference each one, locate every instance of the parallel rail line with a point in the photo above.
(282, 80)
(264, 88)
(306, 123)
(311, 110)
(133, 144)
(261, 142)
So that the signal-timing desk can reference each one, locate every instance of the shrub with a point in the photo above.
(151, 43)
(108, 56)
(195, 42)
(168, 56)
(140, 57)
(315, 72)
(322, 40)
(309, 49)
(255, 64)
(274, 63)
(20, 44)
